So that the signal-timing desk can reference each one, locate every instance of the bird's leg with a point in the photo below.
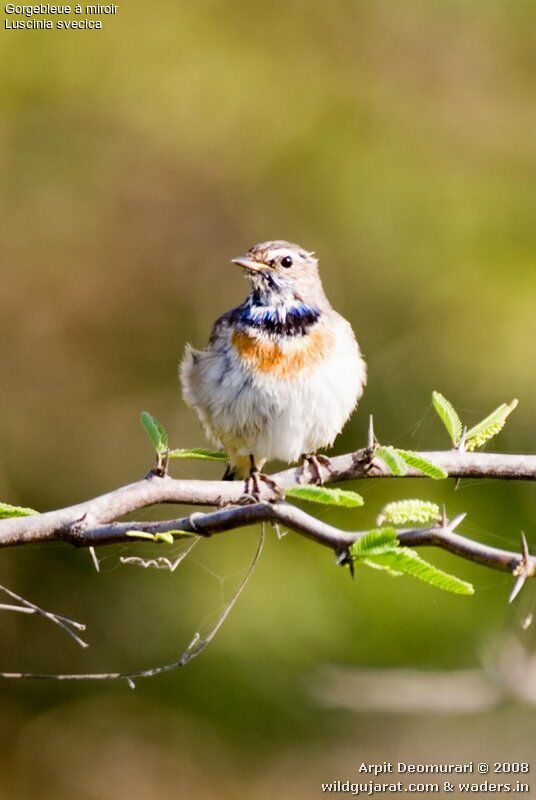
(312, 461)
(252, 485)
(256, 477)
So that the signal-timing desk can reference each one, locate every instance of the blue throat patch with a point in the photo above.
(284, 319)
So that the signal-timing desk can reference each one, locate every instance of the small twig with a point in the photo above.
(196, 646)
(20, 609)
(162, 464)
(279, 531)
(30, 608)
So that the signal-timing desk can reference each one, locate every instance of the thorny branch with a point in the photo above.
(95, 523)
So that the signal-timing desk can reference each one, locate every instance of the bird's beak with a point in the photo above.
(249, 263)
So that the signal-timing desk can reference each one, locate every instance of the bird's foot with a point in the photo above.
(312, 462)
(245, 499)
(253, 487)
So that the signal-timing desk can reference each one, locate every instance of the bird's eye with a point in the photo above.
(286, 262)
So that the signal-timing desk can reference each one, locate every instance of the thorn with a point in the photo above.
(192, 518)
(461, 443)
(457, 484)
(518, 585)
(131, 683)
(344, 560)
(444, 518)
(94, 558)
(371, 438)
(525, 549)
(523, 570)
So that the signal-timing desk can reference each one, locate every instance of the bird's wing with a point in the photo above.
(194, 362)
(221, 324)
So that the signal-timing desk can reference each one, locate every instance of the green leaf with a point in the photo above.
(166, 537)
(370, 562)
(329, 497)
(416, 461)
(404, 560)
(402, 512)
(7, 511)
(374, 542)
(380, 549)
(392, 460)
(140, 535)
(449, 417)
(199, 452)
(155, 431)
(489, 427)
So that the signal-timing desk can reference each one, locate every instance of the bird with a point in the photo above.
(282, 372)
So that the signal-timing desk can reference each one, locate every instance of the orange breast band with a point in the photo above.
(283, 361)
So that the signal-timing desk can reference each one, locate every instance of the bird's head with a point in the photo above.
(282, 267)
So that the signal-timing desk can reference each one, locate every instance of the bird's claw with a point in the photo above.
(253, 487)
(313, 462)
(246, 499)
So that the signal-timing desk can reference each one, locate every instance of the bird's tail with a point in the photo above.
(230, 473)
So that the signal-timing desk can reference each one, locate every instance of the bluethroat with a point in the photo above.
(282, 372)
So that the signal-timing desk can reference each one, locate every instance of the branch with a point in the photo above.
(229, 519)
(92, 523)
(68, 524)
(30, 608)
(95, 523)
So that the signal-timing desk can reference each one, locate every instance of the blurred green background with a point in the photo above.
(396, 140)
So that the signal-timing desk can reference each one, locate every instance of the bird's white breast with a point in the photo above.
(277, 397)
